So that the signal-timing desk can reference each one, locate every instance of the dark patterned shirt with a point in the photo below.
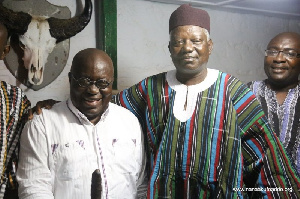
(14, 106)
(284, 118)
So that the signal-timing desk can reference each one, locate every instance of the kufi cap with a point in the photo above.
(187, 15)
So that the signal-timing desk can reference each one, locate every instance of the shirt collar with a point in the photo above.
(82, 118)
(210, 79)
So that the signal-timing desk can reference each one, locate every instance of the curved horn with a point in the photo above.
(16, 22)
(62, 29)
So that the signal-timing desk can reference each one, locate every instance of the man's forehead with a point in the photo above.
(3, 32)
(188, 30)
(89, 67)
(285, 41)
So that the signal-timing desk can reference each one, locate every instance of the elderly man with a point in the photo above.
(279, 94)
(207, 134)
(61, 148)
(14, 108)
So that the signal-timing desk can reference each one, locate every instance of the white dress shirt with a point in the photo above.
(60, 149)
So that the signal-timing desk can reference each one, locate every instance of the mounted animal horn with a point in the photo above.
(62, 29)
(16, 22)
(38, 35)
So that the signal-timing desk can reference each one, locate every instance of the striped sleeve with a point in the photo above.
(266, 164)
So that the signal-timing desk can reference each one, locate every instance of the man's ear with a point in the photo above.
(5, 51)
(210, 46)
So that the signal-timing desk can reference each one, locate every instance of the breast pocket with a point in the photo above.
(69, 160)
(124, 151)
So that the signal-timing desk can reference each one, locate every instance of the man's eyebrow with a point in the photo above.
(276, 48)
(272, 47)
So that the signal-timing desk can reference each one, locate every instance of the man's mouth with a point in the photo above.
(93, 101)
(279, 69)
(188, 58)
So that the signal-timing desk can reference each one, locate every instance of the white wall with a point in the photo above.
(239, 43)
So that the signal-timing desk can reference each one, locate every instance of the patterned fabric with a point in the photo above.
(224, 147)
(284, 119)
(14, 106)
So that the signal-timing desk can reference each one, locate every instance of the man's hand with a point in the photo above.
(39, 105)
(96, 188)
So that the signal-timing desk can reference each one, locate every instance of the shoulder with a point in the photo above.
(234, 85)
(258, 88)
(58, 110)
(253, 84)
(55, 117)
(227, 80)
(15, 95)
(221, 76)
(122, 118)
(121, 122)
(116, 111)
(10, 89)
(157, 76)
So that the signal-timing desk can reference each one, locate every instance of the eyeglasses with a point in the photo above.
(86, 82)
(288, 53)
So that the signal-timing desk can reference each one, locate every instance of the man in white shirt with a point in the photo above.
(61, 148)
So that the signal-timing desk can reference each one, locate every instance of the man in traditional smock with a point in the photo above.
(207, 136)
(279, 94)
(13, 115)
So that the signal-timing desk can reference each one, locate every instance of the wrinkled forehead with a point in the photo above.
(285, 41)
(92, 66)
(188, 31)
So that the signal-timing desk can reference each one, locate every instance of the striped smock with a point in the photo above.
(14, 106)
(210, 140)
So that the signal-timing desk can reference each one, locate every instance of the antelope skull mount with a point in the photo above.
(39, 35)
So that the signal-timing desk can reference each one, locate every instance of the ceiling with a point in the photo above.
(276, 8)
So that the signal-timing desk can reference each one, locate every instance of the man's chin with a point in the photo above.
(92, 114)
(278, 79)
(191, 69)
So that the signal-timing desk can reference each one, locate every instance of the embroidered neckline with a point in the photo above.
(188, 93)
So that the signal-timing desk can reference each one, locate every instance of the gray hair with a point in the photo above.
(206, 33)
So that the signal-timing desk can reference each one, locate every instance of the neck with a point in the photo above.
(191, 79)
(281, 87)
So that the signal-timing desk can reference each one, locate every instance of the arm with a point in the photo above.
(266, 164)
(47, 104)
(33, 174)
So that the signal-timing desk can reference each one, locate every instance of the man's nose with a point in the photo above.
(93, 89)
(280, 57)
(188, 46)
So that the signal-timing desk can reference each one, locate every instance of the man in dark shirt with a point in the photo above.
(279, 94)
